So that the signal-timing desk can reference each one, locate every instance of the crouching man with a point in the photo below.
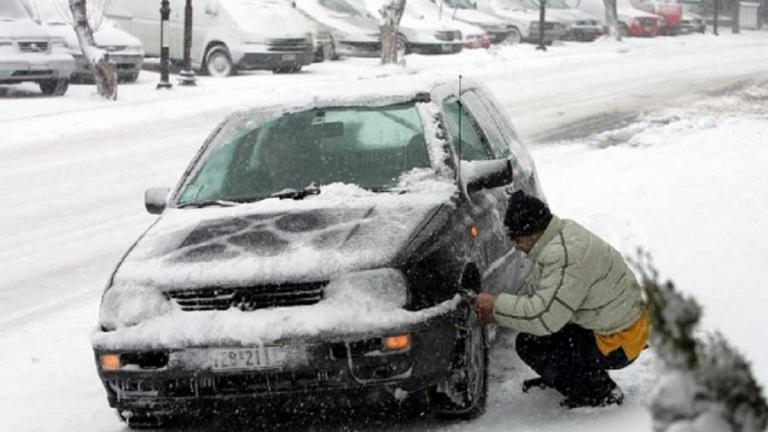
(580, 311)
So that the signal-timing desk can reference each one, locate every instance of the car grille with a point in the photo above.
(288, 45)
(249, 298)
(34, 46)
(32, 73)
(448, 36)
(647, 21)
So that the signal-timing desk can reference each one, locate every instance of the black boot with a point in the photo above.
(614, 397)
(534, 383)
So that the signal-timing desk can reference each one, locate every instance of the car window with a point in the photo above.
(340, 6)
(472, 139)
(489, 122)
(368, 147)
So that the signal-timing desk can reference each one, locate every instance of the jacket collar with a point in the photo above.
(553, 229)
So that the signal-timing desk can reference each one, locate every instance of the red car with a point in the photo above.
(670, 11)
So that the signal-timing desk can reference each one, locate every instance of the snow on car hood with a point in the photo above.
(475, 17)
(625, 13)
(343, 229)
(22, 28)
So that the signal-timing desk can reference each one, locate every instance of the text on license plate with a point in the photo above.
(266, 357)
(289, 56)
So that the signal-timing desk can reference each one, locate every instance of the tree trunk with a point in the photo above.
(715, 13)
(612, 19)
(542, 24)
(735, 27)
(104, 72)
(391, 13)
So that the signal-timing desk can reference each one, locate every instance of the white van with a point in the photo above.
(228, 35)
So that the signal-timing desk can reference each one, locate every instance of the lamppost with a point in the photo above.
(165, 15)
(187, 76)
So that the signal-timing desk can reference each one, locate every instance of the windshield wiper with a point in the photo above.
(209, 203)
(296, 194)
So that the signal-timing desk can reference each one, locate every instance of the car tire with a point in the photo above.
(623, 30)
(131, 78)
(54, 87)
(218, 62)
(401, 46)
(463, 396)
(514, 37)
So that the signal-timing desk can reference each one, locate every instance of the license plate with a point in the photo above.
(289, 56)
(447, 48)
(255, 358)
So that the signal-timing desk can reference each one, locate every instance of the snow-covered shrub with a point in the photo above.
(706, 386)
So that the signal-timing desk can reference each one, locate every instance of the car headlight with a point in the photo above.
(128, 305)
(381, 288)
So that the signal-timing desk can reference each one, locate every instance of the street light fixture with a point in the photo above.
(187, 76)
(165, 15)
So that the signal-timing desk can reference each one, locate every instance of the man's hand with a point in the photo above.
(483, 305)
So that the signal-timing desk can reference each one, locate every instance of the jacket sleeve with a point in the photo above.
(560, 290)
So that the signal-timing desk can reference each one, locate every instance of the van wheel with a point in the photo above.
(464, 394)
(54, 87)
(514, 37)
(218, 62)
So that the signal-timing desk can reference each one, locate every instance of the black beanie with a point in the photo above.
(526, 215)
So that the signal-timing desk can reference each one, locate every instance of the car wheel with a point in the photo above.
(218, 62)
(132, 78)
(54, 87)
(401, 46)
(623, 30)
(464, 394)
(514, 37)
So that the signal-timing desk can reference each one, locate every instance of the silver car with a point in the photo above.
(29, 54)
(125, 50)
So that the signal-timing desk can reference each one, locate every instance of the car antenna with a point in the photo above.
(458, 164)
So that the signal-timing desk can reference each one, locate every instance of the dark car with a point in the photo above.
(321, 251)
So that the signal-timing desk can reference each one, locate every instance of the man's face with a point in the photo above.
(526, 243)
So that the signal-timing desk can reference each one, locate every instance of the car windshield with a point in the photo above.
(340, 6)
(11, 10)
(460, 4)
(514, 4)
(51, 11)
(252, 159)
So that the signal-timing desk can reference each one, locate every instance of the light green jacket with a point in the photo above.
(576, 277)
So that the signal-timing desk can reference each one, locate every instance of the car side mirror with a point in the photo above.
(487, 174)
(156, 199)
(212, 7)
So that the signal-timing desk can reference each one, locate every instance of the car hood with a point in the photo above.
(277, 241)
(475, 17)
(106, 35)
(20, 29)
(624, 13)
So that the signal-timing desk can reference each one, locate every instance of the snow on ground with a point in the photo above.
(688, 184)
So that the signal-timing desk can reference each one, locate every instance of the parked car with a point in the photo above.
(28, 53)
(524, 21)
(417, 35)
(465, 11)
(691, 21)
(351, 31)
(229, 35)
(125, 50)
(632, 21)
(579, 25)
(319, 251)
(669, 10)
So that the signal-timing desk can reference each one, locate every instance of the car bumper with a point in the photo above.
(359, 49)
(314, 370)
(549, 35)
(274, 60)
(585, 33)
(436, 48)
(35, 67)
(639, 30)
(125, 64)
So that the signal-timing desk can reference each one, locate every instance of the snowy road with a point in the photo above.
(73, 171)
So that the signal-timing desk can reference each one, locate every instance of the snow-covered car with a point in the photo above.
(523, 19)
(28, 53)
(579, 25)
(351, 31)
(418, 35)
(124, 50)
(229, 35)
(464, 11)
(669, 10)
(322, 249)
(691, 21)
(632, 21)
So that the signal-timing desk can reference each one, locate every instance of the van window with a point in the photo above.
(473, 141)
(490, 123)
